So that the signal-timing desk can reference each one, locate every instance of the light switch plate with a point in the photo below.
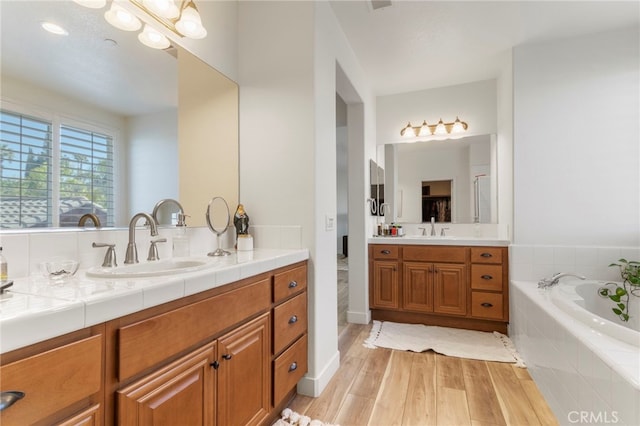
(329, 223)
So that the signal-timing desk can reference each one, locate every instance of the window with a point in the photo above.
(47, 168)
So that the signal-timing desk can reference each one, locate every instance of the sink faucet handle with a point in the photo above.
(442, 234)
(153, 249)
(424, 230)
(110, 256)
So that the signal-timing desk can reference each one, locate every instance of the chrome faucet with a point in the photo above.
(433, 226)
(132, 252)
(181, 215)
(555, 279)
(87, 216)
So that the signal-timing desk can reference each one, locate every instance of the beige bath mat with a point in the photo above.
(485, 346)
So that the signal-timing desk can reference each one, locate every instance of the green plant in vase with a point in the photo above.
(619, 293)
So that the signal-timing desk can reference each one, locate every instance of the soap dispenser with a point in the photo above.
(180, 238)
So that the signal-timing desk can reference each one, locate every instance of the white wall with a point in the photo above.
(474, 103)
(342, 182)
(288, 146)
(153, 160)
(577, 149)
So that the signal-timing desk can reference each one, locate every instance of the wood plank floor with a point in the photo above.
(383, 387)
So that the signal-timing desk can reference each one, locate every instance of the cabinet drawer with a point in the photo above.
(447, 254)
(289, 321)
(289, 282)
(486, 254)
(151, 341)
(486, 277)
(385, 252)
(288, 369)
(52, 380)
(486, 305)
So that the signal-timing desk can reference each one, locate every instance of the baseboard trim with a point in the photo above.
(359, 317)
(313, 386)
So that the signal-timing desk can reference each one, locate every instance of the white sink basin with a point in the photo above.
(151, 269)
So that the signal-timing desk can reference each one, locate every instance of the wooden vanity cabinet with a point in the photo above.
(62, 379)
(290, 327)
(454, 286)
(384, 267)
(437, 274)
(246, 335)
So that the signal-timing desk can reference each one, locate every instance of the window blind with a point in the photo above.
(25, 171)
(86, 175)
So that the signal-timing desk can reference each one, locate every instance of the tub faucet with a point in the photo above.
(132, 252)
(555, 279)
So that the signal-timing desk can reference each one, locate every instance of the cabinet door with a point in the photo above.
(92, 416)
(244, 376)
(417, 287)
(384, 293)
(183, 393)
(450, 289)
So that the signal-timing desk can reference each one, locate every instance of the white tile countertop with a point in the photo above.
(440, 241)
(36, 308)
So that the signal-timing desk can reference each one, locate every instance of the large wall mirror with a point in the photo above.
(173, 117)
(453, 180)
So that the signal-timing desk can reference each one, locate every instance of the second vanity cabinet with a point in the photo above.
(454, 286)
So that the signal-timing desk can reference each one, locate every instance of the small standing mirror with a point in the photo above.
(218, 219)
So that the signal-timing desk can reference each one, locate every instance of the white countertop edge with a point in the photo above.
(131, 295)
(440, 241)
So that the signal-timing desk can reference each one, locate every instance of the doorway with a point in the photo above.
(342, 207)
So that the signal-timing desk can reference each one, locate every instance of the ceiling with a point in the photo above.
(416, 45)
(408, 46)
(95, 62)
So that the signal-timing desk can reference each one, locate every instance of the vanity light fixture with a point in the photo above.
(121, 18)
(152, 38)
(178, 16)
(441, 128)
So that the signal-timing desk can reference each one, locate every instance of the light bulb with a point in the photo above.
(152, 38)
(408, 131)
(424, 129)
(164, 8)
(122, 18)
(458, 127)
(190, 23)
(440, 129)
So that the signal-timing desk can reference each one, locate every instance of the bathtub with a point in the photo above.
(581, 300)
(585, 362)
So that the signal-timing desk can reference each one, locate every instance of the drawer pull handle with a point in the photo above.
(293, 319)
(293, 284)
(293, 367)
(486, 277)
(486, 255)
(8, 398)
(227, 356)
(486, 305)
(385, 251)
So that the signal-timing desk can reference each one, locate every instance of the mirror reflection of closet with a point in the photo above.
(436, 200)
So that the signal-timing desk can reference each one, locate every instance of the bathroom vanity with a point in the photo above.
(454, 282)
(230, 354)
